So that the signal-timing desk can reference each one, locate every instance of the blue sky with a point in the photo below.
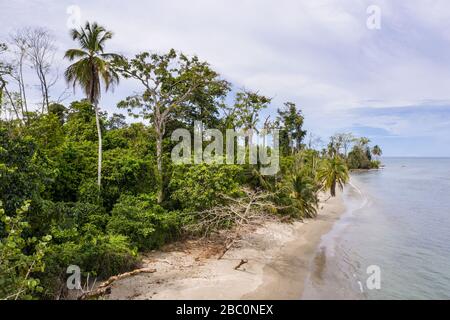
(391, 84)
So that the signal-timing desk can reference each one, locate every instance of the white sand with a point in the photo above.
(279, 256)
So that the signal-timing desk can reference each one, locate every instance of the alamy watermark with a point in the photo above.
(373, 281)
(73, 281)
(373, 21)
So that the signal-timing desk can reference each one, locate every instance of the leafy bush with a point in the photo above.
(125, 172)
(79, 238)
(198, 187)
(357, 159)
(99, 255)
(88, 192)
(375, 164)
(50, 215)
(21, 169)
(20, 257)
(144, 222)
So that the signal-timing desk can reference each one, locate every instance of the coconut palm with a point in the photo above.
(303, 190)
(376, 151)
(363, 141)
(333, 172)
(91, 70)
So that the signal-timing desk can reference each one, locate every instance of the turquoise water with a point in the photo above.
(398, 219)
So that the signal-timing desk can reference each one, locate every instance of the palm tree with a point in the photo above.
(332, 173)
(303, 190)
(363, 141)
(91, 69)
(376, 151)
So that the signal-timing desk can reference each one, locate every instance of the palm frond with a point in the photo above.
(71, 54)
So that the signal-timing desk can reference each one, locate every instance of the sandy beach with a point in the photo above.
(277, 255)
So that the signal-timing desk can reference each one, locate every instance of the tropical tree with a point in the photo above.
(290, 121)
(342, 141)
(363, 141)
(92, 69)
(303, 190)
(171, 83)
(333, 172)
(376, 151)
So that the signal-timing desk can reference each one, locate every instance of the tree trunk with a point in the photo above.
(99, 132)
(159, 139)
(333, 189)
(22, 86)
(2, 85)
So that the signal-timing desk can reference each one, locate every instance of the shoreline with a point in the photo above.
(278, 255)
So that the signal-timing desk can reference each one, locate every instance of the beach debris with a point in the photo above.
(105, 287)
(236, 212)
(242, 262)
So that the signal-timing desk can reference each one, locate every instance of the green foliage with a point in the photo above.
(375, 164)
(99, 255)
(357, 158)
(200, 186)
(302, 195)
(46, 130)
(376, 151)
(333, 172)
(143, 221)
(20, 257)
(54, 160)
(290, 122)
(59, 111)
(297, 193)
(79, 238)
(23, 170)
(92, 63)
(70, 215)
(248, 106)
(74, 164)
(123, 172)
(88, 192)
(80, 125)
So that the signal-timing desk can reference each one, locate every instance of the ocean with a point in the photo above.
(393, 241)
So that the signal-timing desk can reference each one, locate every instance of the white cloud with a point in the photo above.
(316, 53)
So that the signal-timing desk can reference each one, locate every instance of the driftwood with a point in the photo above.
(105, 287)
(243, 261)
(226, 248)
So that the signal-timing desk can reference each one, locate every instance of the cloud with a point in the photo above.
(318, 54)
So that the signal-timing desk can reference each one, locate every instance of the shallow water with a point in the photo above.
(397, 219)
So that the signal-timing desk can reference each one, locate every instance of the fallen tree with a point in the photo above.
(105, 287)
(236, 213)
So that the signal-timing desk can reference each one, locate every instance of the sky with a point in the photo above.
(390, 82)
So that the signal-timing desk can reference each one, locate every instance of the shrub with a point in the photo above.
(20, 257)
(144, 222)
(375, 164)
(99, 256)
(357, 159)
(198, 187)
(49, 215)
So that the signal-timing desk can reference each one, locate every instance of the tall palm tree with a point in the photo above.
(376, 151)
(92, 69)
(332, 173)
